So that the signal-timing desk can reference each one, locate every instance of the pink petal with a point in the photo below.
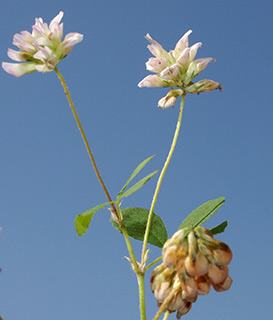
(18, 69)
(157, 64)
(17, 55)
(56, 32)
(40, 28)
(43, 54)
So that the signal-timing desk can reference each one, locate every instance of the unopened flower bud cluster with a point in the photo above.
(193, 261)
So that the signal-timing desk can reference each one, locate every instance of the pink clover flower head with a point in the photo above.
(176, 68)
(42, 49)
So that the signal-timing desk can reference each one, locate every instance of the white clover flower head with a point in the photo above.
(42, 49)
(176, 68)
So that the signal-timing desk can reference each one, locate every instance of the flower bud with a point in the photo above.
(193, 249)
(161, 282)
(216, 274)
(169, 100)
(224, 256)
(169, 256)
(189, 292)
(203, 285)
(196, 267)
(174, 248)
(184, 309)
(223, 286)
(177, 302)
(189, 286)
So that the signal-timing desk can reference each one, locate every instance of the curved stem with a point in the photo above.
(178, 125)
(71, 104)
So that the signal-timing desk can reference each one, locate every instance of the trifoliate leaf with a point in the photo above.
(202, 213)
(135, 220)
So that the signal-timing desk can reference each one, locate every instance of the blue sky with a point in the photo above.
(224, 149)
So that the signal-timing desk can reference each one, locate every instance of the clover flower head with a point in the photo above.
(42, 49)
(193, 261)
(177, 68)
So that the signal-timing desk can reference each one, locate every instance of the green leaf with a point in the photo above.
(82, 221)
(135, 220)
(135, 172)
(202, 213)
(137, 186)
(220, 228)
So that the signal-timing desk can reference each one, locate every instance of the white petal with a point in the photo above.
(71, 39)
(18, 69)
(155, 48)
(183, 42)
(170, 73)
(184, 57)
(157, 64)
(17, 55)
(40, 28)
(152, 81)
(43, 54)
(57, 19)
(43, 68)
(193, 50)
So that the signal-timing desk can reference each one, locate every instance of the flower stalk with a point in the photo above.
(71, 104)
(159, 182)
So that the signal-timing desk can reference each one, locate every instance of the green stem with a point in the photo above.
(153, 263)
(71, 104)
(141, 289)
(178, 125)
(128, 242)
(166, 316)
